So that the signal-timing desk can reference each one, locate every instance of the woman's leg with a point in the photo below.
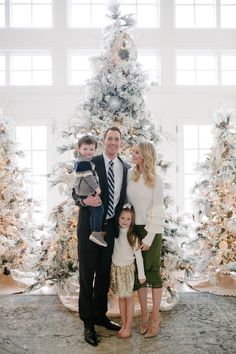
(142, 294)
(122, 306)
(155, 318)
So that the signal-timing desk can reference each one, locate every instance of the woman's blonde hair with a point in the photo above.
(149, 155)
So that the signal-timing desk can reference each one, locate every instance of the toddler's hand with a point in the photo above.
(98, 191)
(142, 280)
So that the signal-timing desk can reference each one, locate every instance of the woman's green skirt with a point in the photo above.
(151, 261)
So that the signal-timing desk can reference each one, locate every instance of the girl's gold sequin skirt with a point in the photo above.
(122, 280)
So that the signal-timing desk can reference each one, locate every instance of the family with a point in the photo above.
(120, 225)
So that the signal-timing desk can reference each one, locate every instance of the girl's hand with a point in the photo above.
(142, 280)
(144, 247)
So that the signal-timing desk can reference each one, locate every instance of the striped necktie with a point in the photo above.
(111, 189)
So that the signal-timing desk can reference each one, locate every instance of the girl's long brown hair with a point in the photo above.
(131, 235)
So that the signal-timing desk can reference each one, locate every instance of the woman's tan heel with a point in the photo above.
(153, 328)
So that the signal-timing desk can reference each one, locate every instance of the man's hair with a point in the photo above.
(116, 129)
(87, 140)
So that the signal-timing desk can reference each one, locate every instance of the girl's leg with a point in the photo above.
(126, 333)
(122, 306)
(155, 316)
(142, 294)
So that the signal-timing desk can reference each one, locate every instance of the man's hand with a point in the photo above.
(92, 201)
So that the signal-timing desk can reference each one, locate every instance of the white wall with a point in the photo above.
(168, 103)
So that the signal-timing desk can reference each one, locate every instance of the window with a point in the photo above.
(151, 64)
(33, 142)
(79, 68)
(195, 13)
(2, 13)
(196, 69)
(198, 140)
(31, 13)
(228, 13)
(2, 70)
(85, 13)
(30, 69)
(228, 65)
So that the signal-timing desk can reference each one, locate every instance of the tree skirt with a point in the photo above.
(68, 293)
(9, 285)
(225, 286)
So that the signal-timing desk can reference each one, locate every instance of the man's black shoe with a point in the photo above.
(108, 324)
(90, 334)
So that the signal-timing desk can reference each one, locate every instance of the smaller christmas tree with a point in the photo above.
(16, 232)
(215, 203)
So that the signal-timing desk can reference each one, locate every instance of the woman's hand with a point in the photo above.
(144, 247)
(142, 280)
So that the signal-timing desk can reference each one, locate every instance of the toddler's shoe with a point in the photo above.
(98, 238)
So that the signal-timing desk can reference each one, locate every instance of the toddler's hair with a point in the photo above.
(87, 140)
(131, 235)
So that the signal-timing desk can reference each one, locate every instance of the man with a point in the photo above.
(94, 260)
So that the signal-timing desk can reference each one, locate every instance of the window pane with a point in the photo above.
(80, 16)
(190, 137)
(2, 78)
(39, 188)
(184, 16)
(39, 162)
(20, 62)
(98, 13)
(43, 78)
(205, 62)
(206, 78)
(203, 155)
(186, 78)
(185, 62)
(20, 16)
(205, 136)
(80, 62)
(39, 138)
(228, 15)
(205, 16)
(26, 162)
(190, 160)
(229, 77)
(41, 62)
(20, 78)
(42, 16)
(189, 181)
(2, 14)
(23, 137)
(228, 62)
(147, 16)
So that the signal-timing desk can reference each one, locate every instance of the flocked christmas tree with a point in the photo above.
(16, 232)
(115, 96)
(215, 203)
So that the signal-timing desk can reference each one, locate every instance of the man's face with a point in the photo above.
(112, 143)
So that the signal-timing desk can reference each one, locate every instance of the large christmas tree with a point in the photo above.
(215, 203)
(115, 96)
(16, 231)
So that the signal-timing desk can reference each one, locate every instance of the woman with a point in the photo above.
(145, 193)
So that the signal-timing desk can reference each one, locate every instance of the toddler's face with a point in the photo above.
(125, 220)
(87, 151)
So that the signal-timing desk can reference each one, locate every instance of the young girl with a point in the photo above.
(126, 251)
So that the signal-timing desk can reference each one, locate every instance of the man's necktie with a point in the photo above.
(111, 189)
